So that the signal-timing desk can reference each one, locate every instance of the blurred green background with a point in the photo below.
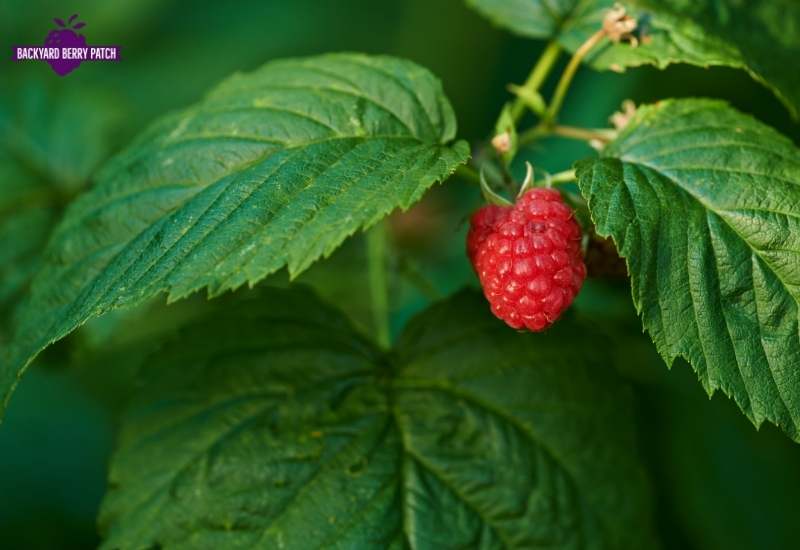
(719, 483)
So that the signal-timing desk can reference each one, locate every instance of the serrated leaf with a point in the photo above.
(704, 204)
(759, 36)
(274, 168)
(271, 424)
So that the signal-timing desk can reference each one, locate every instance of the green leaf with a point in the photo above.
(272, 424)
(759, 36)
(704, 204)
(532, 18)
(274, 168)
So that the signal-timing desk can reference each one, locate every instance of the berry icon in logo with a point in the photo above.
(65, 37)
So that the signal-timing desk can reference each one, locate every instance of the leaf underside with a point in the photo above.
(704, 204)
(274, 168)
(271, 424)
(759, 36)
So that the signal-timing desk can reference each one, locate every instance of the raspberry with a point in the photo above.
(482, 225)
(528, 258)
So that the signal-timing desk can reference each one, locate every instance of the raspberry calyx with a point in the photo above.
(528, 258)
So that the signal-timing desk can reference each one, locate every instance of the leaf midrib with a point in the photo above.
(537, 442)
(167, 215)
(407, 453)
(285, 146)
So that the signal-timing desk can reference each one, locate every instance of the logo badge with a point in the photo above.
(65, 49)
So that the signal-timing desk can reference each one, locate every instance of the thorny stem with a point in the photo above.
(569, 73)
(536, 78)
(378, 287)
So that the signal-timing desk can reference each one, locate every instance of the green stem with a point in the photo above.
(566, 176)
(532, 134)
(572, 132)
(585, 134)
(537, 77)
(569, 72)
(378, 287)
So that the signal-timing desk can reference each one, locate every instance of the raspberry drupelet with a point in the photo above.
(528, 258)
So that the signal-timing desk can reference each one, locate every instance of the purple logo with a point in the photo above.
(64, 49)
(65, 37)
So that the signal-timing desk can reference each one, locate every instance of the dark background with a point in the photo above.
(719, 483)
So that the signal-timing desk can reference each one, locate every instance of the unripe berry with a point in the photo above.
(528, 258)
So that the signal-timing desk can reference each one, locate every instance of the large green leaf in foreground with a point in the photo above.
(274, 168)
(759, 36)
(271, 424)
(704, 203)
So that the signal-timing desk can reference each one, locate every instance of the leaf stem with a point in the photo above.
(378, 287)
(569, 72)
(536, 78)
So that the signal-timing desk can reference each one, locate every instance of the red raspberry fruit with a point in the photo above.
(528, 258)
